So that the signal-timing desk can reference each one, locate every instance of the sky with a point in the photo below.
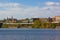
(22, 9)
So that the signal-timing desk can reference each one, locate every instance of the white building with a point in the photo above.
(56, 19)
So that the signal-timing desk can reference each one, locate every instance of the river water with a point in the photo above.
(29, 34)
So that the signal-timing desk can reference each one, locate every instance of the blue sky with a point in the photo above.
(21, 9)
(30, 2)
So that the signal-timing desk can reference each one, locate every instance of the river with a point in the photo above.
(29, 34)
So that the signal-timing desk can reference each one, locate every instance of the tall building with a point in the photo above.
(11, 20)
(56, 19)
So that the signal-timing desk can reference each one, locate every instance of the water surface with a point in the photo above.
(29, 34)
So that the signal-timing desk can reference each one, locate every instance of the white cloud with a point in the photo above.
(9, 4)
(18, 10)
(21, 11)
(52, 3)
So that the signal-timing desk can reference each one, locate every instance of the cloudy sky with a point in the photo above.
(21, 9)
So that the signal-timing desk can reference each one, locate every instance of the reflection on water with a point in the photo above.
(29, 34)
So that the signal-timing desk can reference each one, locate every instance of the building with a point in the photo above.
(56, 19)
(34, 19)
(25, 21)
(43, 19)
(50, 19)
(10, 20)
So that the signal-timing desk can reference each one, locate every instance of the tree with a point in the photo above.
(36, 24)
(39, 24)
(58, 24)
(50, 25)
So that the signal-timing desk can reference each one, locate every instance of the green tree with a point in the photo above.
(36, 24)
(50, 25)
(58, 24)
(4, 26)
